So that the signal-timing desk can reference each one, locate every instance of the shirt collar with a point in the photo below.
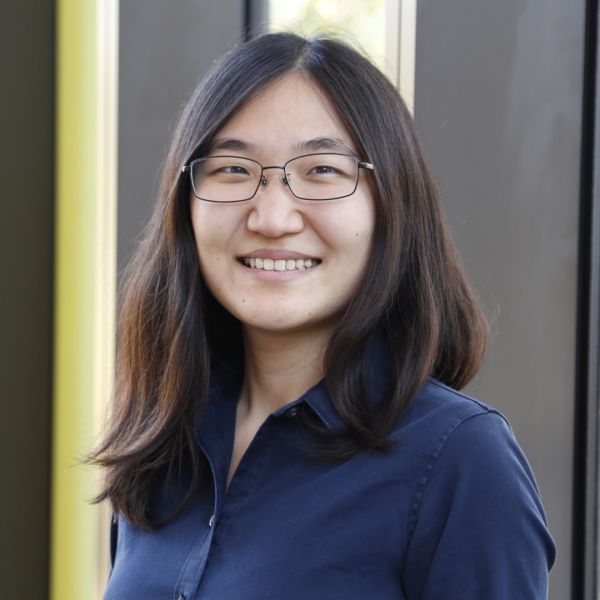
(377, 373)
(225, 385)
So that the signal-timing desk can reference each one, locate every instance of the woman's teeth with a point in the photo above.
(268, 264)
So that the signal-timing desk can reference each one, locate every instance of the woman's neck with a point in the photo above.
(279, 368)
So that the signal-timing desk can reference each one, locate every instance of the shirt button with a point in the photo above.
(292, 412)
(211, 521)
(181, 597)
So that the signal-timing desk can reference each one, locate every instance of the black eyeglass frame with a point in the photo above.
(262, 180)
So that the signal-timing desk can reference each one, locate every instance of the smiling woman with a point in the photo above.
(293, 331)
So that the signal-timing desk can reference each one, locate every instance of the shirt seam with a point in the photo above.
(438, 448)
(484, 407)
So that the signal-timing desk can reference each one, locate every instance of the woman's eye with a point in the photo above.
(323, 170)
(234, 170)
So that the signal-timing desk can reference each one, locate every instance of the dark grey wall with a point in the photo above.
(26, 264)
(165, 47)
(498, 105)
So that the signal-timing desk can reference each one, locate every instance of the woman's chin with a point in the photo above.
(278, 318)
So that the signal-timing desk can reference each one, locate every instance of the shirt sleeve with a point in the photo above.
(478, 529)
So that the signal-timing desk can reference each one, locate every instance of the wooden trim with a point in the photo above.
(400, 42)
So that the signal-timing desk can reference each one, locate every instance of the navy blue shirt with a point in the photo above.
(452, 512)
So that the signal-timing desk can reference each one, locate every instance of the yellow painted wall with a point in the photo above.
(84, 286)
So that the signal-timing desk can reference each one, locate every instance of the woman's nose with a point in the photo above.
(275, 211)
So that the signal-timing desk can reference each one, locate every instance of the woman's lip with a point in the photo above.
(277, 255)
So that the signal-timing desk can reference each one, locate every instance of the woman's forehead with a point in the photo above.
(291, 113)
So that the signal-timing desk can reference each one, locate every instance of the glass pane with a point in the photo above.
(362, 21)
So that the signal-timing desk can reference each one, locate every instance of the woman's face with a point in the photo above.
(286, 119)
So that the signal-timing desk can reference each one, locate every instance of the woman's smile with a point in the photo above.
(279, 260)
(268, 264)
(278, 265)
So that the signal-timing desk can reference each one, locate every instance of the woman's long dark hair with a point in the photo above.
(414, 290)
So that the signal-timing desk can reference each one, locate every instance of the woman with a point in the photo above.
(293, 330)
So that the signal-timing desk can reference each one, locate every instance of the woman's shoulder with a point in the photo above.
(476, 493)
(447, 438)
(457, 442)
(466, 453)
(440, 409)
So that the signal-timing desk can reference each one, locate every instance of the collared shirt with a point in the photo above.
(451, 512)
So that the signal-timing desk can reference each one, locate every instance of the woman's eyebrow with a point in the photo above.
(231, 144)
(317, 144)
(324, 143)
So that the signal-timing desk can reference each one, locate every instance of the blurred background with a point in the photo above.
(505, 98)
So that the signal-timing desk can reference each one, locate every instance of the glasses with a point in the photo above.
(321, 176)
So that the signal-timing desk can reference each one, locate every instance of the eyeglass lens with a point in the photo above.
(310, 177)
